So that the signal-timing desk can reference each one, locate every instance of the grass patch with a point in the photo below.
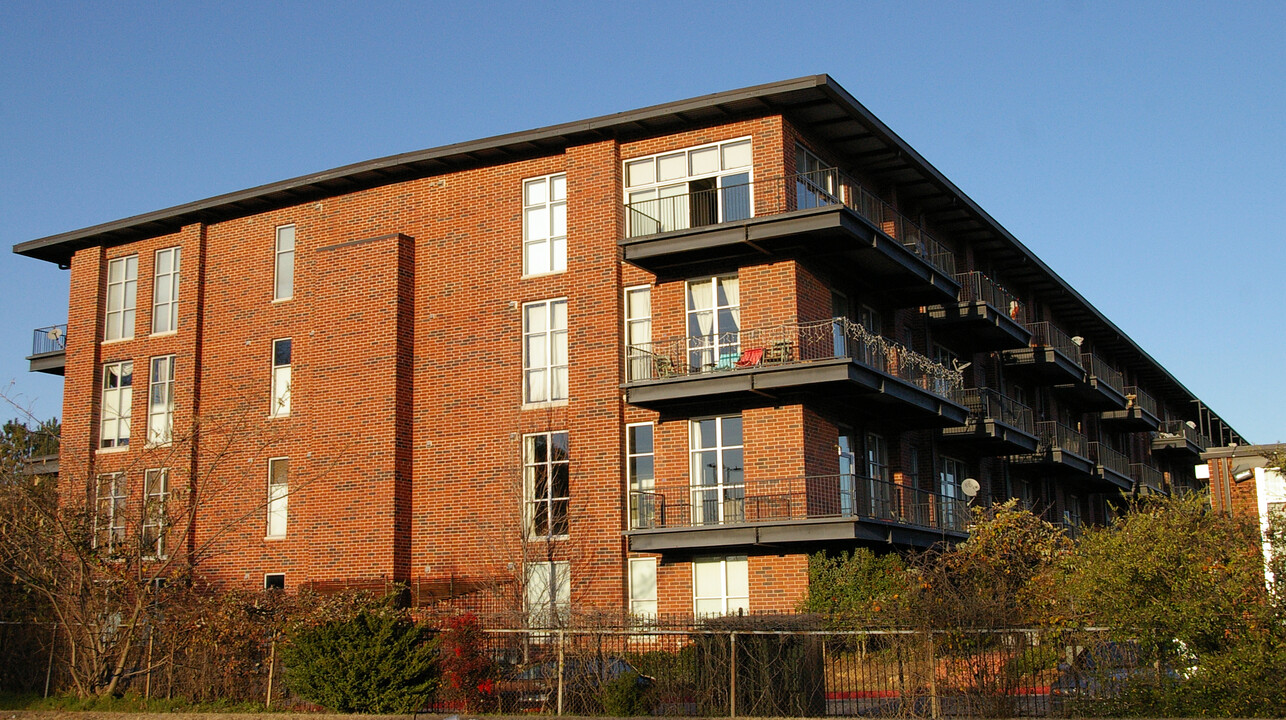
(129, 702)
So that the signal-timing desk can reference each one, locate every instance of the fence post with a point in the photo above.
(49, 669)
(732, 674)
(562, 639)
(272, 666)
(147, 685)
(935, 709)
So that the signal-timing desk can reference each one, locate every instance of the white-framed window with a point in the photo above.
(643, 587)
(122, 287)
(816, 183)
(544, 224)
(274, 581)
(283, 278)
(110, 496)
(280, 378)
(544, 351)
(953, 473)
(716, 467)
(689, 188)
(118, 396)
(721, 585)
(278, 495)
(165, 291)
(640, 474)
(160, 401)
(1072, 515)
(640, 358)
(879, 481)
(714, 322)
(549, 593)
(156, 493)
(546, 463)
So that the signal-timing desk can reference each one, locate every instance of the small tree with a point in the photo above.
(376, 661)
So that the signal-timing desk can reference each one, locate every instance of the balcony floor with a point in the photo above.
(1044, 363)
(992, 437)
(54, 363)
(976, 327)
(1134, 419)
(806, 532)
(836, 378)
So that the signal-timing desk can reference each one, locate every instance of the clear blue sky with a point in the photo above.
(1138, 148)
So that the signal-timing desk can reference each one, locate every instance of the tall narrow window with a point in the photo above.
(160, 401)
(953, 472)
(714, 322)
(816, 183)
(280, 378)
(643, 587)
(721, 585)
(118, 396)
(165, 291)
(544, 356)
(717, 475)
(109, 510)
(879, 483)
(548, 490)
(122, 286)
(639, 464)
(284, 265)
(549, 593)
(844, 448)
(641, 359)
(156, 493)
(544, 225)
(278, 495)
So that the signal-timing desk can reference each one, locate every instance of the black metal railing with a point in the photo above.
(772, 196)
(1136, 397)
(803, 498)
(1046, 334)
(1106, 374)
(787, 344)
(1148, 477)
(1110, 459)
(975, 286)
(49, 340)
(1181, 429)
(1057, 436)
(984, 403)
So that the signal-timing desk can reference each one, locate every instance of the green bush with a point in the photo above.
(622, 697)
(377, 661)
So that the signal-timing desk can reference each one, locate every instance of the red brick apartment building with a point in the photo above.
(647, 362)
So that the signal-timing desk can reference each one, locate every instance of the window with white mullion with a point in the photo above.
(716, 469)
(110, 496)
(160, 401)
(544, 224)
(549, 593)
(546, 465)
(278, 495)
(156, 493)
(878, 478)
(689, 188)
(165, 291)
(639, 355)
(545, 351)
(643, 587)
(953, 472)
(714, 322)
(283, 286)
(721, 585)
(122, 288)
(114, 410)
(281, 380)
(640, 474)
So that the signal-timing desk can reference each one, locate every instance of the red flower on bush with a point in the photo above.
(465, 664)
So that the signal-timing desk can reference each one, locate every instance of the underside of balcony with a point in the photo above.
(976, 326)
(1045, 364)
(803, 534)
(834, 235)
(1134, 418)
(997, 425)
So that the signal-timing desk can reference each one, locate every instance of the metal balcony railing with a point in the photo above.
(772, 196)
(1147, 476)
(1105, 373)
(975, 286)
(1046, 334)
(1180, 428)
(804, 498)
(1135, 396)
(48, 340)
(984, 403)
(788, 344)
(1110, 459)
(1057, 436)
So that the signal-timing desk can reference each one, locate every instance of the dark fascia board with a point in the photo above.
(779, 96)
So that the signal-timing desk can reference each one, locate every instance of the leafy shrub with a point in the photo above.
(376, 661)
(623, 696)
(466, 671)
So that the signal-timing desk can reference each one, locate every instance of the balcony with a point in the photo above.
(49, 349)
(1148, 480)
(847, 228)
(819, 509)
(997, 424)
(1177, 437)
(986, 317)
(1111, 466)
(835, 359)
(1141, 411)
(1061, 449)
(1052, 356)
(1100, 388)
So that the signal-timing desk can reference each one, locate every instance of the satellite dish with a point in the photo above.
(969, 487)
